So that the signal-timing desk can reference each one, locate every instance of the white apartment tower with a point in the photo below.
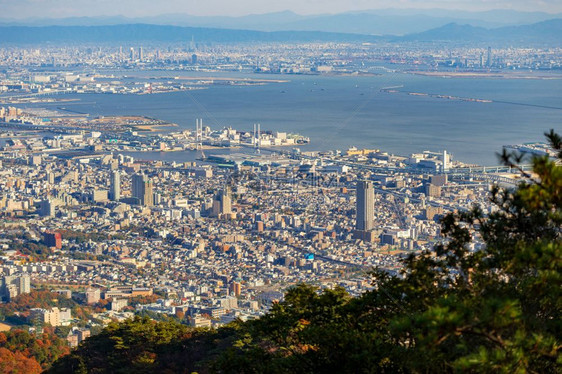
(115, 186)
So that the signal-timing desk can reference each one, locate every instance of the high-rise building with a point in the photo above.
(47, 208)
(115, 192)
(235, 288)
(222, 203)
(35, 160)
(50, 177)
(142, 189)
(141, 56)
(432, 190)
(12, 286)
(92, 295)
(438, 180)
(431, 211)
(24, 284)
(226, 200)
(52, 239)
(489, 58)
(99, 195)
(365, 206)
(50, 316)
(365, 212)
(192, 44)
(132, 54)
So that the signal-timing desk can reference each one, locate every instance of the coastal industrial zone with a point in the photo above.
(222, 237)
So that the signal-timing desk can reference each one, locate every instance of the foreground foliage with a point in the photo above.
(23, 352)
(496, 309)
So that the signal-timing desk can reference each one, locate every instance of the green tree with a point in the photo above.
(498, 308)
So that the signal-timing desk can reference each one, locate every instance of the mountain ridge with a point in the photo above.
(546, 32)
(146, 32)
(542, 33)
(371, 22)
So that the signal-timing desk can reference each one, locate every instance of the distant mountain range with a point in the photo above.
(375, 22)
(541, 33)
(160, 33)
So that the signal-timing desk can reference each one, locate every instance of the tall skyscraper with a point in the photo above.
(192, 44)
(47, 208)
(489, 59)
(141, 56)
(24, 284)
(50, 177)
(365, 206)
(142, 189)
(115, 191)
(148, 194)
(222, 203)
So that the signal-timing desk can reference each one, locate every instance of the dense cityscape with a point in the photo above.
(94, 230)
(83, 220)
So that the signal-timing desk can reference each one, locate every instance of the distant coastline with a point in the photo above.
(482, 74)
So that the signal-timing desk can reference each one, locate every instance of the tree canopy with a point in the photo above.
(23, 352)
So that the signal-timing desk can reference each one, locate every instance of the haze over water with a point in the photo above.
(337, 112)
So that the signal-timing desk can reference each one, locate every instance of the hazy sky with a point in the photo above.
(137, 8)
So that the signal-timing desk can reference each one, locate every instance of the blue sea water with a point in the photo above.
(341, 111)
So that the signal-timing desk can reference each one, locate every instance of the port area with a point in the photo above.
(62, 118)
(499, 74)
(532, 149)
